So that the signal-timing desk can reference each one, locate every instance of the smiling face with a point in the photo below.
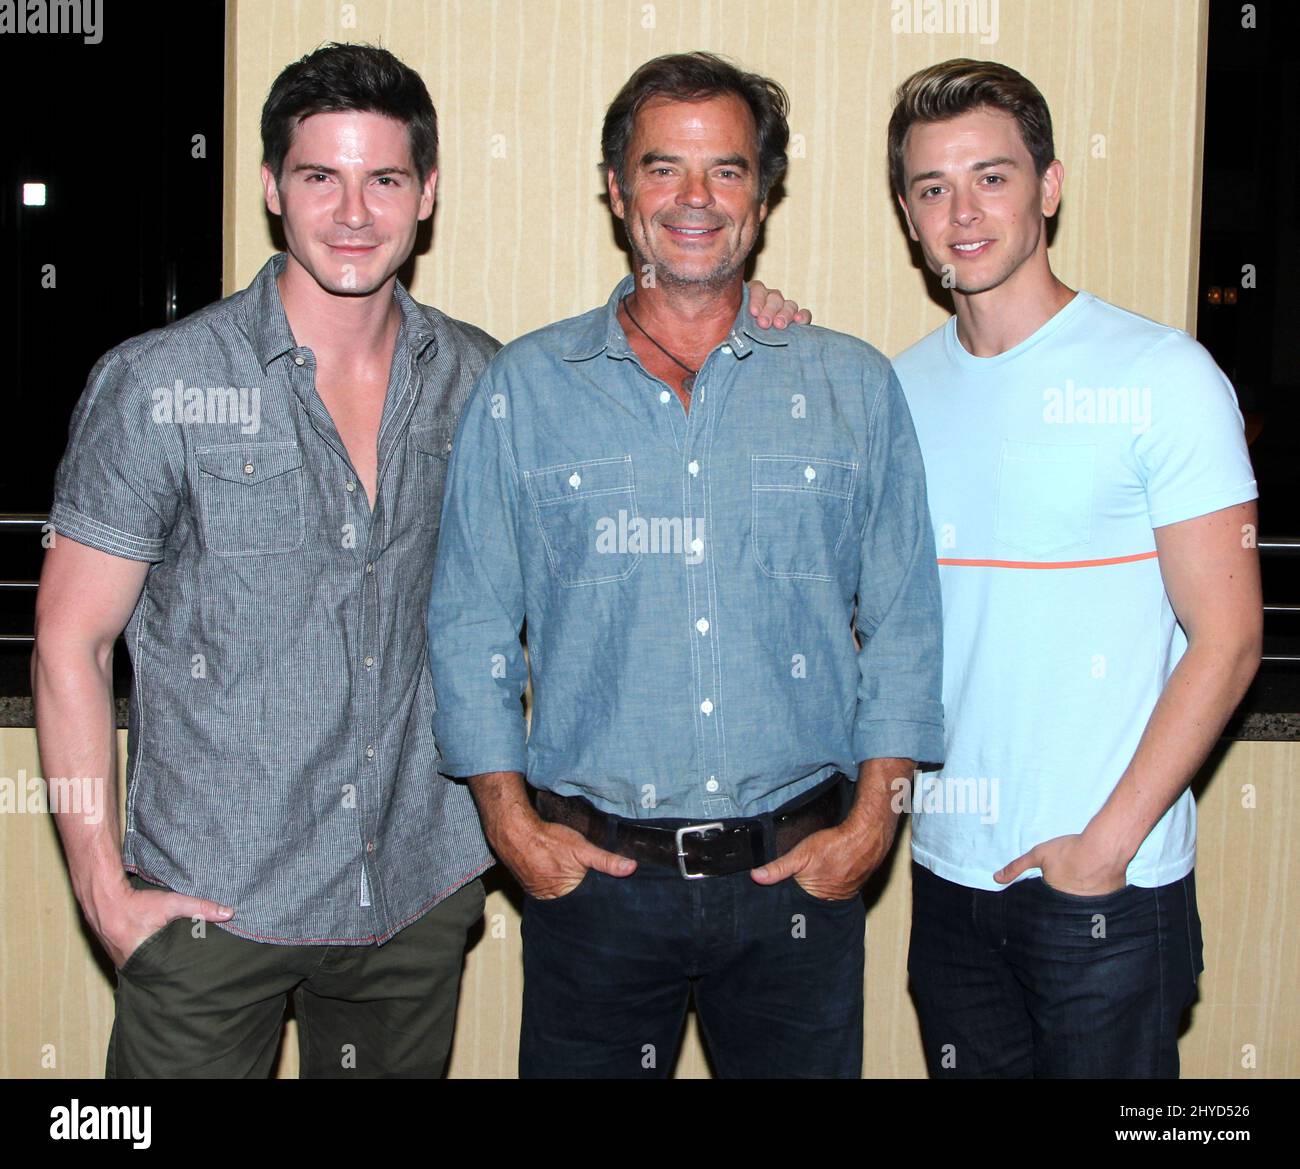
(691, 208)
(974, 202)
(349, 199)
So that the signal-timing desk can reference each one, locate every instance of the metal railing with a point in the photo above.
(15, 522)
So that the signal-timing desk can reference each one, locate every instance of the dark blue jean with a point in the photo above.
(1033, 982)
(608, 970)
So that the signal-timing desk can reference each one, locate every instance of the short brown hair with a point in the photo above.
(956, 87)
(692, 77)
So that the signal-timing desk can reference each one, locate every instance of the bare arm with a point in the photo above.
(84, 602)
(1211, 573)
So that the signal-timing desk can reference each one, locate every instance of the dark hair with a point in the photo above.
(342, 77)
(956, 87)
(691, 77)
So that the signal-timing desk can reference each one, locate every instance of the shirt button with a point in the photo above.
(809, 474)
(369, 661)
(697, 545)
(370, 752)
(299, 360)
(665, 396)
(575, 480)
(349, 486)
(706, 707)
(693, 467)
(248, 468)
(370, 568)
(702, 625)
(711, 786)
(727, 350)
(370, 846)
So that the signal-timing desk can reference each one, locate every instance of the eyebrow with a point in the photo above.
(735, 161)
(983, 164)
(315, 167)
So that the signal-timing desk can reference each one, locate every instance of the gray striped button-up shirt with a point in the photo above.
(281, 754)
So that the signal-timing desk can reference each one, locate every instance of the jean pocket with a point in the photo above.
(831, 902)
(250, 498)
(584, 511)
(585, 883)
(1081, 898)
(801, 510)
(1044, 501)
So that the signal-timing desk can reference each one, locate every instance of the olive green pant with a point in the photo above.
(213, 1006)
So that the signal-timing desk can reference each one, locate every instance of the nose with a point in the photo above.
(964, 210)
(352, 210)
(695, 190)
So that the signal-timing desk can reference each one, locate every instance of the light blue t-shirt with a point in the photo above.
(1048, 466)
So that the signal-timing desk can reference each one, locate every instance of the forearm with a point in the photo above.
(875, 807)
(1201, 694)
(503, 806)
(72, 693)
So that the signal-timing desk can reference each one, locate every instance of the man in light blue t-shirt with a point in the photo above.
(1091, 496)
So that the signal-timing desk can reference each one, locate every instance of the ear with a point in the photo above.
(1052, 181)
(270, 190)
(762, 211)
(615, 195)
(908, 216)
(427, 194)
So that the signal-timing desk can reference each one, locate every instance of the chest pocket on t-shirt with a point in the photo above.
(1045, 496)
(250, 498)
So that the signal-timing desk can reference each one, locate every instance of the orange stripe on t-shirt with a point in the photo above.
(1048, 563)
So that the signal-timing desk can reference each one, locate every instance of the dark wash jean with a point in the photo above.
(608, 970)
(1034, 982)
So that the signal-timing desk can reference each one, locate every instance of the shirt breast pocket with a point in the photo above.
(250, 498)
(1045, 494)
(584, 511)
(802, 506)
(430, 448)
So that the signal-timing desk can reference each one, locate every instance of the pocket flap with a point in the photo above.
(803, 473)
(249, 463)
(579, 479)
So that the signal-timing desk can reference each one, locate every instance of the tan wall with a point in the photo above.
(58, 992)
(521, 238)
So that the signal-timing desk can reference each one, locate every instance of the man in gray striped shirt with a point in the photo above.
(253, 494)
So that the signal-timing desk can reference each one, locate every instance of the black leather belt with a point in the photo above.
(711, 848)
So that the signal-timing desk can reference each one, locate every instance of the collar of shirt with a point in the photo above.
(267, 328)
(601, 333)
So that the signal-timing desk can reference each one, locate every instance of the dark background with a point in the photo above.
(132, 226)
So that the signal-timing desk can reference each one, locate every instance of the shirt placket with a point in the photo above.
(700, 566)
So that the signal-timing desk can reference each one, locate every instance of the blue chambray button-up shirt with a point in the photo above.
(688, 579)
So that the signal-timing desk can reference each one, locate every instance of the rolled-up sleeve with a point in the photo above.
(476, 604)
(899, 619)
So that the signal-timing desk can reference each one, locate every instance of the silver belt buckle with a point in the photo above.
(681, 852)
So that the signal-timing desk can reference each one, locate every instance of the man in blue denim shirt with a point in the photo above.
(684, 511)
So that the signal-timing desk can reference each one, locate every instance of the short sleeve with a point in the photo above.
(119, 483)
(1192, 455)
